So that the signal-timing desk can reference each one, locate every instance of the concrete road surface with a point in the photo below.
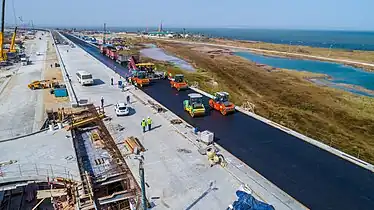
(21, 108)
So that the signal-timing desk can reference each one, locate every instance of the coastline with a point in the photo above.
(304, 52)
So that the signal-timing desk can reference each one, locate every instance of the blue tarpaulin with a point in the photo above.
(248, 202)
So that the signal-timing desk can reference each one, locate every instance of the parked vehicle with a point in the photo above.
(121, 109)
(85, 78)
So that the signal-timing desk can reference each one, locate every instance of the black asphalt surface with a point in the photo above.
(316, 178)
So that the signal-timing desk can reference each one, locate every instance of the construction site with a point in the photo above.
(75, 152)
(94, 125)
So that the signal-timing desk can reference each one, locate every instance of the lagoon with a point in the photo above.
(340, 73)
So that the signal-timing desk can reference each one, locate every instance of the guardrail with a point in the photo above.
(36, 172)
(74, 101)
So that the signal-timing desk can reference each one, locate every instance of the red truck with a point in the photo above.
(103, 49)
(112, 53)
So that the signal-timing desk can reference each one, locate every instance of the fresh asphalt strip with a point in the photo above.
(313, 176)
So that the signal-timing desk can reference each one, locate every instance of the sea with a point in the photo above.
(342, 77)
(341, 39)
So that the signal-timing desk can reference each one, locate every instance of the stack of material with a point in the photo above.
(176, 121)
(133, 145)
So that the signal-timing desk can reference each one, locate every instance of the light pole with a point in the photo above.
(142, 181)
(328, 55)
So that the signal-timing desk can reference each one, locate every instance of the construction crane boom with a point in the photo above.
(12, 47)
(3, 56)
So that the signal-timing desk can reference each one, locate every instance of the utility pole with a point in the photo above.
(142, 180)
(104, 33)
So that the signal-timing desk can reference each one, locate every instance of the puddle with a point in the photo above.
(160, 55)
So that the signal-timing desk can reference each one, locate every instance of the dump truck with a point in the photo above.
(178, 82)
(139, 78)
(221, 103)
(194, 105)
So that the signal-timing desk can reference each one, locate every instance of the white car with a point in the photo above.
(121, 109)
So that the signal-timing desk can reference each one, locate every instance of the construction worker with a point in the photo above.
(102, 102)
(143, 124)
(149, 123)
(128, 99)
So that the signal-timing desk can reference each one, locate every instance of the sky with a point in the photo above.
(265, 14)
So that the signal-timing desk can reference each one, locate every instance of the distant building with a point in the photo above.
(160, 34)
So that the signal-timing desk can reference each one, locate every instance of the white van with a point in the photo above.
(85, 78)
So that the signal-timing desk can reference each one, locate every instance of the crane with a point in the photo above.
(12, 47)
(3, 56)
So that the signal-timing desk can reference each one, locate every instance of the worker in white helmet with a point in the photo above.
(149, 123)
(143, 124)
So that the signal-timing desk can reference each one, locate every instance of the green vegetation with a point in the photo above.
(337, 118)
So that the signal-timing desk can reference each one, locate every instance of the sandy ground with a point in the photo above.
(19, 111)
(53, 73)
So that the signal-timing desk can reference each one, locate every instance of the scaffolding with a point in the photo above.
(107, 180)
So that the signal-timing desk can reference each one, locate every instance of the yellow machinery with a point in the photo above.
(12, 47)
(39, 84)
(3, 56)
(82, 122)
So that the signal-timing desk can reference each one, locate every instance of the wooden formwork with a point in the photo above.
(121, 174)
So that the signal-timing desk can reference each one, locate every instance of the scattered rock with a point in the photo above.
(184, 150)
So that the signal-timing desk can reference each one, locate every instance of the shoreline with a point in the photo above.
(289, 51)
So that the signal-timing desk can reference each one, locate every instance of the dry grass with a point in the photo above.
(335, 117)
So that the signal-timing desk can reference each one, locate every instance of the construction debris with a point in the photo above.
(133, 145)
(176, 121)
(157, 107)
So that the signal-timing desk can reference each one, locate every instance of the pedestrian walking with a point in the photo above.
(149, 123)
(102, 102)
(51, 65)
(143, 124)
(111, 81)
(128, 99)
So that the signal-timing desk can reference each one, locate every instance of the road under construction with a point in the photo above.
(312, 175)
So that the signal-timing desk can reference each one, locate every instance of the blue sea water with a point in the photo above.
(348, 40)
(340, 73)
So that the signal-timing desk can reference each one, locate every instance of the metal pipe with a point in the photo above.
(142, 183)
(3, 17)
